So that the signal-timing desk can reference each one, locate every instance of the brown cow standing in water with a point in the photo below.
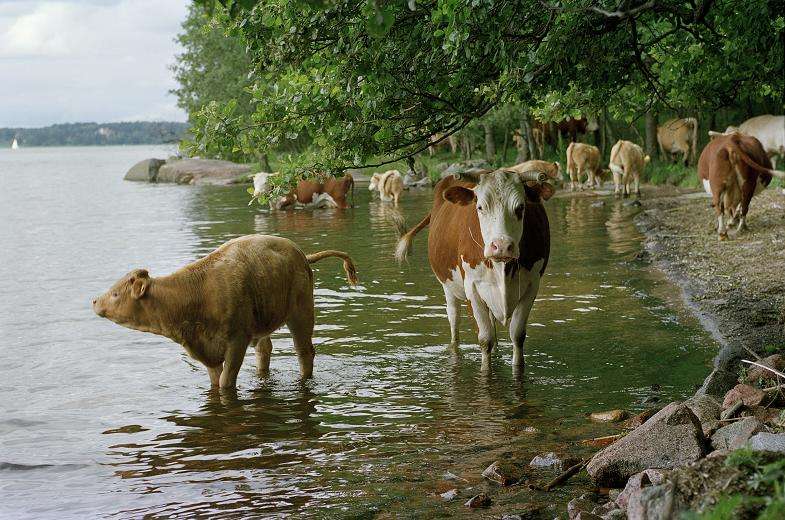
(330, 193)
(214, 307)
(489, 244)
(734, 168)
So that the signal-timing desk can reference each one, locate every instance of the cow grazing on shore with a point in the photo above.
(769, 130)
(389, 185)
(583, 158)
(627, 164)
(214, 307)
(679, 136)
(489, 244)
(330, 193)
(733, 168)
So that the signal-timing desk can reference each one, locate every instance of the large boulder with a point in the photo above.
(672, 438)
(201, 171)
(463, 166)
(144, 171)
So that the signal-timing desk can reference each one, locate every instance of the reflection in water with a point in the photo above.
(116, 421)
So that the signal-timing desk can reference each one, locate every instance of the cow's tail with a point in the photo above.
(348, 264)
(646, 159)
(735, 154)
(404, 244)
(694, 145)
(615, 152)
(570, 159)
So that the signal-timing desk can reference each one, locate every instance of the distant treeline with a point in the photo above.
(89, 134)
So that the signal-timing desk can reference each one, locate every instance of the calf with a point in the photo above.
(214, 307)
(583, 158)
(679, 136)
(489, 244)
(734, 168)
(627, 164)
(389, 185)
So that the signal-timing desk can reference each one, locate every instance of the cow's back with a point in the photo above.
(768, 129)
(714, 157)
(339, 188)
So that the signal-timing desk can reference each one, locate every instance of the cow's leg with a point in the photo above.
(486, 330)
(573, 179)
(233, 360)
(300, 324)
(686, 158)
(718, 201)
(520, 318)
(453, 315)
(264, 348)
(616, 179)
(637, 178)
(215, 374)
(747, 192)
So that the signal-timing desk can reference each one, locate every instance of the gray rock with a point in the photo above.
(454, 168)
(673, 437)
(637, 482)
(604, 508)
(736, 434)
(718, 383)
(653, 503)
(201, 171)
(449, 495)
(144, 171)
(768, 442)
(501, 473)
(707, 409)
(616, 514)
(585, 515)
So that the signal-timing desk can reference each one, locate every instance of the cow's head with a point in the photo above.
(500, 198)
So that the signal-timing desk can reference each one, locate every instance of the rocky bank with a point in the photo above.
(187, 171)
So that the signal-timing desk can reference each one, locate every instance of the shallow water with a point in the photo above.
(97, 420)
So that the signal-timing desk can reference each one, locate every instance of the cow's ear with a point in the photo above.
(543, 190)
(459, 195)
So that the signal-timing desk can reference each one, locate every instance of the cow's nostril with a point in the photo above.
(509, 248)
(493, 246)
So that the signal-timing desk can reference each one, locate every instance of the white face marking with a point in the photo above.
(374, 182)
(501, 200)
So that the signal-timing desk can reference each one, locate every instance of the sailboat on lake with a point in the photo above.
(14, 144)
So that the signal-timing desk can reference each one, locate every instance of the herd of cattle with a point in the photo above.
(488, 246)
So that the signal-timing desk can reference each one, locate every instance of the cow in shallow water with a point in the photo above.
(389, 185)
(734, 168)
(489, 244)
(330, 193)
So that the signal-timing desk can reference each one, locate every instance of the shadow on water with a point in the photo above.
(391, 407)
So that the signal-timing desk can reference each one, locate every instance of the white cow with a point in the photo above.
(769, 130)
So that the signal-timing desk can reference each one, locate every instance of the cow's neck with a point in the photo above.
(172, 305)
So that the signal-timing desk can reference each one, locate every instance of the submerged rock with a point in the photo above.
(477, 501)
(673, 437)
(748, 395)
(609, 416)
(736, 434)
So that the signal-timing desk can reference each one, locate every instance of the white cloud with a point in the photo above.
(64, 61)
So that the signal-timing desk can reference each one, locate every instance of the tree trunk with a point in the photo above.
(527, 132)
(490, 146)
(522, 144)
(264, 162)
(651, 133)
(603, 139)
(506, 145)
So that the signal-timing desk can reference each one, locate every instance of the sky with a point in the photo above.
(67, 61)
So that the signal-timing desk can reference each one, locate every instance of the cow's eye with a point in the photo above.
(114, 295)
(519, 211)
(479, 208)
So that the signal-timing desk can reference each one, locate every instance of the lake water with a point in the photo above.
(100, 421)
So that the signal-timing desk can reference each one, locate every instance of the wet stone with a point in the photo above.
(547, 460)
(478, 501)
(736, 434)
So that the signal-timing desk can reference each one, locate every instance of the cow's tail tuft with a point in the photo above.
(404, 244)
(646, 159)
(348, 264)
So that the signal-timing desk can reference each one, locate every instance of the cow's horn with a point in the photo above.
(533, 176)
(471, 175)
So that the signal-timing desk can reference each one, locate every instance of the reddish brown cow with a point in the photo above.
(734, 168)
(306, 190)
(569, 127)
(489, 244)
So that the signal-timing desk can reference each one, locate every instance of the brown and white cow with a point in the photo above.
(583, 158)
(734, 168)
(389, 185)
(489, 244)
(330, 193)
(676, 136)
(627, 164)
(769, 130)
